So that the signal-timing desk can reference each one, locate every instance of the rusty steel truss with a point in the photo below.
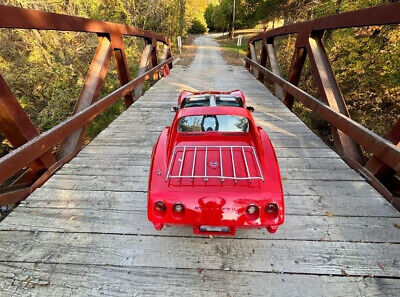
(382, 170)
(32, 151)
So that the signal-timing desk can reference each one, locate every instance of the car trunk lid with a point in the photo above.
(214, 165)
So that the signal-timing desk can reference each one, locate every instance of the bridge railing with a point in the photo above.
(32, 152)
(382, 170)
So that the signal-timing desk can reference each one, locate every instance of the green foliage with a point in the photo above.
(221, 17)
(208, 15)
(198, 27)
(247, 13)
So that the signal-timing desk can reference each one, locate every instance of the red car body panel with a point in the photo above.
(210, 202)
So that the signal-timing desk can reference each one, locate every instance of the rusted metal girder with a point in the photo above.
(299, 57)
(331, 94)
(91, 90)
(164, 56)
(348, 135)
(263, 59)
(253, 56)
(18, 129)
(143, 64)
(21, 18)
(374, 165)
(382, 148)
(17, 159)
(154, 58)
(385, 151)
(378, 15)
(33, 150)
(273, 62)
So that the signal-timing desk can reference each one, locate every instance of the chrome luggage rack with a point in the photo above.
(196, 148)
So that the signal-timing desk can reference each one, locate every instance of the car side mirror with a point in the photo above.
(250, 108)
(174, 109)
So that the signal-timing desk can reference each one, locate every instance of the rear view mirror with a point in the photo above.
(250, 108)
(174, 109)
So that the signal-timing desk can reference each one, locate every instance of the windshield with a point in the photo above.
(212, 100)
(213, 123)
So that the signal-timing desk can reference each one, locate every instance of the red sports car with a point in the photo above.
(214, 169)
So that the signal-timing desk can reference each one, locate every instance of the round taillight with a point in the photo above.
(252, 209)
(160, 206)
(178, 207)
(271, 208)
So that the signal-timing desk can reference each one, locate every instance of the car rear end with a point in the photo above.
(216, 189)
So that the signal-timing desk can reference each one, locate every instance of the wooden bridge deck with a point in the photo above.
(85, 232)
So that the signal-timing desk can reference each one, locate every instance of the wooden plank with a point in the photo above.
(284, 256)
(299, 205)
(318, 228)
(151, 140)
(37, 279)
(289, 163)
(129, 184)
(146, 152)
(136, 171)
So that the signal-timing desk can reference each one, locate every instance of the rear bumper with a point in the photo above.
(230, 211)
(217, 220)
(220, 230)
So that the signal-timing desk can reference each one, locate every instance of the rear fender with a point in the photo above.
(159, 156)
(270, 164)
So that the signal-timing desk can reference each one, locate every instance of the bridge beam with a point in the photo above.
(18, 129)
(154, 58)
(263, 59)
(331, 94)
(379, 169)
(299, 57)
(90, 91)
(253, 56)
(273, 62)
(143, 64)
(166, 54)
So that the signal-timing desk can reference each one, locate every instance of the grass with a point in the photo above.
(232, 53)
(188, 51)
